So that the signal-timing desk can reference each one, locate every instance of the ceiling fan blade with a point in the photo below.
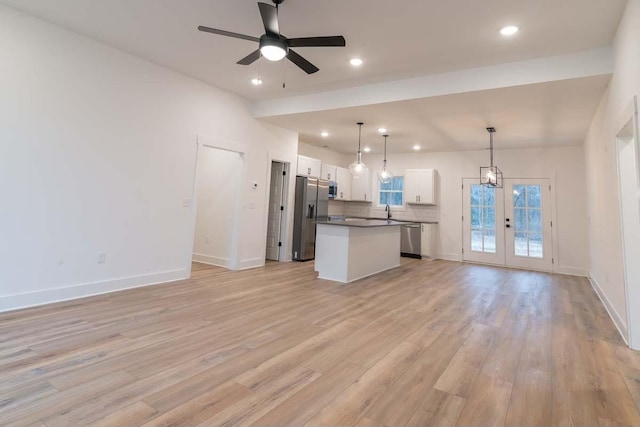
(305, 65)
(328, 41)
(228, 33)
(251, 58)
(269, 19)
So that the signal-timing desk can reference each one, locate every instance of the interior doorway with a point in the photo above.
(629, 182)
(218, 174)
(509, 226)
(277, 209)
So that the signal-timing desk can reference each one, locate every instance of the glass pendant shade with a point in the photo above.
(385, 175)
(357, 168)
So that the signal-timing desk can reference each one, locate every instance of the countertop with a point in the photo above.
(354, 218)
(364, 223)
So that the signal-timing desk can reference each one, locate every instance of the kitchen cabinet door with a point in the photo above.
(328, 172)
(361, 187)
(428, 241)
(420, 186)
(343, 179)
(309, 166)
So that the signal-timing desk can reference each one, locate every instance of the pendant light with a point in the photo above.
(357, 168)
(385, 175)
(490, 175)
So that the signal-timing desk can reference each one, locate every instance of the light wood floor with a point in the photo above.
(429, 343)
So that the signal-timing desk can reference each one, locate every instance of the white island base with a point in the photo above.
(350, 251)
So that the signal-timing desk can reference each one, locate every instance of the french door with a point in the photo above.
(508, 226)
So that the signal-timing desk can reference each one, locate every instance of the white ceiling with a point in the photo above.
(396, 39)
(546, 114)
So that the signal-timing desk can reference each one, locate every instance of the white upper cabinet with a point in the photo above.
(328, 172)
(361, 187)
(420, 186)
(344, 181)
(309, 166)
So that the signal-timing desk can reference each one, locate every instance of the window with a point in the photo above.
(391, 193)
(527, 213)
(483, 218)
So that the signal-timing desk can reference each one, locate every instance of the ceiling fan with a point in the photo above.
(273, 45)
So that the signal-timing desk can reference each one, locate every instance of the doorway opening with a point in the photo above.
(218, 174)
(509, 226)
(629, 186)
(276, 222)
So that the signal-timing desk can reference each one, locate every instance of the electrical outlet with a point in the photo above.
(102, 258)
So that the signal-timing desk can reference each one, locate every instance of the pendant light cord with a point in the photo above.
(385, 151)
(359, 134)
(491, 131)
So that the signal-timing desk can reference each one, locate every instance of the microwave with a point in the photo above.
(333, 190)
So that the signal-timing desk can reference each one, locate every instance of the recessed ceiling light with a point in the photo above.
(509, 31)
(257, 81)
(356, 62)
(324, 134)
(416, 147)
(367, 149)
(382, 130)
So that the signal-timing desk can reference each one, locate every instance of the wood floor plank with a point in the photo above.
(352, 404)
(487, 403)
(428, 343)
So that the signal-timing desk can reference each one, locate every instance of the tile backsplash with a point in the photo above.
(416, 213)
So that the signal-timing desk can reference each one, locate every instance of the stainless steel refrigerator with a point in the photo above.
(311, 205)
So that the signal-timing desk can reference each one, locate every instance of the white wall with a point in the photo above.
(326, 156)
(97, 155)
(564, 166)
(605, 239)
(217, 172)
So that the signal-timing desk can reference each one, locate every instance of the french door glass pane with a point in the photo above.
(483, 218)
(527, 215)
(476, 240)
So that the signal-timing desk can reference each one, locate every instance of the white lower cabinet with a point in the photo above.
(429, 236)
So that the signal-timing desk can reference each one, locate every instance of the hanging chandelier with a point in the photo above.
(490, 175)
(385, 175)
(357, 168)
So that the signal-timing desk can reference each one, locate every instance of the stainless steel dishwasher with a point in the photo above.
(410, 240)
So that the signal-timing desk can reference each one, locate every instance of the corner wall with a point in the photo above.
(97, 156)
(605, 239)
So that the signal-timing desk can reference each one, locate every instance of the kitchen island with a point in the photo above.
(350, 250)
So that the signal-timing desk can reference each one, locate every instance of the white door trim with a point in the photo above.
(629, 117)
(226, 145)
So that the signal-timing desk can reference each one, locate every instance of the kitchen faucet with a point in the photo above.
(387, 208)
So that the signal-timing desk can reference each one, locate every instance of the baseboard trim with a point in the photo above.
(211, 260)
(613, 314)
(246, 264)
(572, 271)
(49, 296)
(450, 257)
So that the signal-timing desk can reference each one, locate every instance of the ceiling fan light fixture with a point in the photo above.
(273, 49)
